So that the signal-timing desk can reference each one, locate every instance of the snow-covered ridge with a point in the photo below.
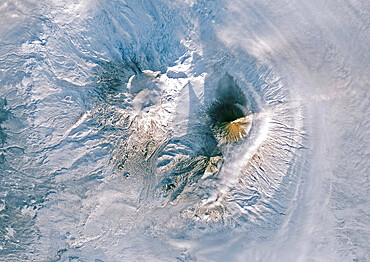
(108, 151)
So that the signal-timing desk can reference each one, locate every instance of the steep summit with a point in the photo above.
(230, 118)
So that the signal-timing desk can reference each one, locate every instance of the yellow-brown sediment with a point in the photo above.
(235, 130)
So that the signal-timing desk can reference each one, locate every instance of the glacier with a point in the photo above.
(108, 151)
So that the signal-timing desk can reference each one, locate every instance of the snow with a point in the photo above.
(107, 152)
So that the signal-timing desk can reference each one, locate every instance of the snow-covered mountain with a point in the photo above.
(184, 130)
